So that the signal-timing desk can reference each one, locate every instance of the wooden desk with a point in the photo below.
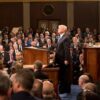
(92, 61)
(31, 54)
(52, 74)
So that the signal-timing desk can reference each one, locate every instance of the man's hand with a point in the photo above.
(66, 62)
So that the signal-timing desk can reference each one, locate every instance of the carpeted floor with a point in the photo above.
(74, 91)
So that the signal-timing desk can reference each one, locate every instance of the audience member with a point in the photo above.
(90, 87)
(48, 91)
(85, 83)
(38, 71)
(37, 89)
(22, 84)
(5, 86)
(89, 95)
(90, 77)
(83, 79)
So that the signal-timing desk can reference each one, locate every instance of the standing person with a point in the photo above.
(62, 58)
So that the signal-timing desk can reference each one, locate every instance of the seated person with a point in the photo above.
(83, 79)
(16, 66)
(37, 89)
(5, 85)
(48, 92)
(90, 87)
(89, 95)
(90, 77)
(19, 57)
(38, 71)
(3, 70)
(22, 83)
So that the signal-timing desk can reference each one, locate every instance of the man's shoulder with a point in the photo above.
(41, 75)
(22, 96)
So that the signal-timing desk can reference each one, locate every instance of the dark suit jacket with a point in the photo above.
(63, 50)
(22, 96)
(20, 49)
(40, 75)
(7, 58)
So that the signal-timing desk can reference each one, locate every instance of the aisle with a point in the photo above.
(74, 91)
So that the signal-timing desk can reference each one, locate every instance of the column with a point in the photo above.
(99, 16)
(26, 15)
(70, 14)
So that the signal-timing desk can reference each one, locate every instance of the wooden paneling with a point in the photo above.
(92, 62)
(53, 74)
(59, 13)
(86, 14)
(33, 54)
(11, 14)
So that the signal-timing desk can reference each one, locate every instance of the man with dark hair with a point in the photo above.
(22, 84)
(4, 86)
(38, 70)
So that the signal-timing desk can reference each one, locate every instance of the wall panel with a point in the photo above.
(86, 14)
(11, 14)
(59, 12)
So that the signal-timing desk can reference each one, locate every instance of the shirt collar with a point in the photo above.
(61, 35)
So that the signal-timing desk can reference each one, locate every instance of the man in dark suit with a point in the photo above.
(62, 58)
(9, 58)
(38, 73)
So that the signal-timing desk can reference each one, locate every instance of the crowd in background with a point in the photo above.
(11, 57)
(13, 43)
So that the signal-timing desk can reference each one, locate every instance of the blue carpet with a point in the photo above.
(74, 91)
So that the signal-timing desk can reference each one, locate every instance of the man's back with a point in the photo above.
(40, 75)
(22, 96)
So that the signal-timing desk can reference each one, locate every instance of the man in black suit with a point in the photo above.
(38, 73)
(62, 58)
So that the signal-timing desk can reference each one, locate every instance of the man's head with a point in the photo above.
(37, 65)
(62, 29)
(37, 88)
(83, 79)
(90, 87)
(1, 48)
(48, 90)
(19, 56)
(4, 84)
(23, 80)
(16, 66)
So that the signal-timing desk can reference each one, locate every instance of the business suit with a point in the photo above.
(40, 75)
(7, 59)
(22, 95)
(62, 55)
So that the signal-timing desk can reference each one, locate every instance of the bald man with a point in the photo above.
(62, 58)
(83, 79)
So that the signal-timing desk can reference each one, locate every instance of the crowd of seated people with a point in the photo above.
(11, 57)
(22, 84)
(11, 43)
